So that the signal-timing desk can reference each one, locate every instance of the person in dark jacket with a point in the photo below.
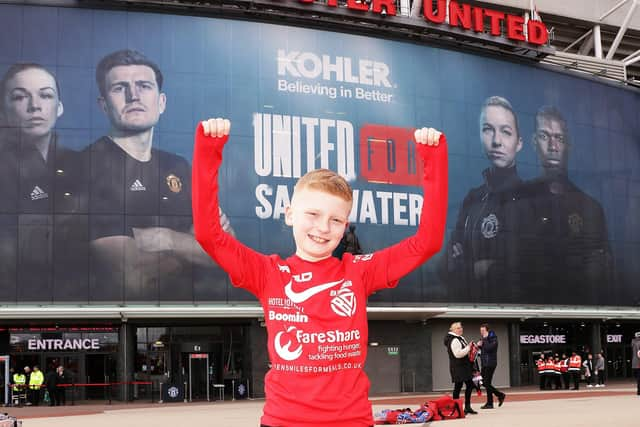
(483, 247)
(51, 382)
(352, 244)
(459, 364)
(489, 361)
(568, 256)
(63, 379)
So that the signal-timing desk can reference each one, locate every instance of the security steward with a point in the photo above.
(35, 385)
(541, 365)
(575, 365)
(550, 370)
(557, 372)
(564, 369)
(19, 386)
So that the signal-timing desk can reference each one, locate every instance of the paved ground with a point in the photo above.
(614, 406)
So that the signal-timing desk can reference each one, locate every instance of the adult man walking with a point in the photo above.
(489, 361)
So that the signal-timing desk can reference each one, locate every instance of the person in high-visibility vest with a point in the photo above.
(575, 365)
(35, 384)
(541, 365)
(550, 368)
(564, 369)
(557, 371)
(19, 381)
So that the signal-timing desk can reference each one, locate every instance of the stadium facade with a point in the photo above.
(116, 290)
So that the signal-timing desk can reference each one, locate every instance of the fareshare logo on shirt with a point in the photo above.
(334, 76)
(322, 347)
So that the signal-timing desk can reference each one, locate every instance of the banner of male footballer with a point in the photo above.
(97, 116)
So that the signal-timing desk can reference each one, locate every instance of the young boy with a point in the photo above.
(315, 304)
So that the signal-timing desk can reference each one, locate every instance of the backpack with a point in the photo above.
(445, 408)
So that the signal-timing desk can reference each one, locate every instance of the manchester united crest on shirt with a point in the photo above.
(490, 226)
(174, 183)
(575, 223)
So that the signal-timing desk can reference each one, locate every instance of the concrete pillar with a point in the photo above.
(596, 341)
(125, 360)
(514, 354)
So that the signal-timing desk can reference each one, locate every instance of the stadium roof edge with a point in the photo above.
(251, 311)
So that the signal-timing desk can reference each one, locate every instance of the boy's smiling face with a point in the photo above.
(318, 220)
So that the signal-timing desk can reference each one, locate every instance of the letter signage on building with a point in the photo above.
(38, 344)
(614, 338)
(461, 16)
(543, 339)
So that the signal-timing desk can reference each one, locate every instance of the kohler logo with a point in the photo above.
(338, 68)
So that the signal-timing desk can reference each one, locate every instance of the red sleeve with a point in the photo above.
(386, 267)
(245, 266)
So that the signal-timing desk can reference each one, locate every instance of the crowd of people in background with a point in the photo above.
(31, 387)
(557, 372)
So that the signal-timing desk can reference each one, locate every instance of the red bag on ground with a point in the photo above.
(446, 408)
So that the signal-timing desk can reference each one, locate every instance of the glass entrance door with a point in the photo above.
(96, 369)
(74, 369)
(618, 362)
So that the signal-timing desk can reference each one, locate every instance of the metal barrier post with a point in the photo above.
(233, 390)
(73, 394)
(185, 392)
(160, 400)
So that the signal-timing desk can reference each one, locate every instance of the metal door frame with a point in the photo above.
(204, 356)
(7, 380)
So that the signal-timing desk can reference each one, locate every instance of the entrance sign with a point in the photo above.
(63, 344)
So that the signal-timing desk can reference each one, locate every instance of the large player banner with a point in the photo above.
(97, 113)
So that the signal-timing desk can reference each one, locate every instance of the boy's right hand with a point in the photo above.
(216, 127)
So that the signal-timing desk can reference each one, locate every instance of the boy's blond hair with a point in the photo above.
(327, 181)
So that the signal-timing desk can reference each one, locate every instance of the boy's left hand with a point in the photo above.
(216, 127)
(427, 136)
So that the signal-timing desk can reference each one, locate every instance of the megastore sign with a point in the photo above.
(543, 339)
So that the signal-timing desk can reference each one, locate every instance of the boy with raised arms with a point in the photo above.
(315, 304)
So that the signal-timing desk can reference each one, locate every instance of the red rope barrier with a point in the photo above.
(105, 384)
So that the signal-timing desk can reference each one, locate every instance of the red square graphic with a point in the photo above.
(388, 155)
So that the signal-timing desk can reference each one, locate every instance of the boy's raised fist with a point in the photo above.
(428, 136)
(216, 127)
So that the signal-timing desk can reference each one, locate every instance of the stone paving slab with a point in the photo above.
(618, 407)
